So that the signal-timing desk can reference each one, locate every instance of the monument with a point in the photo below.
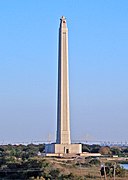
(63, 142)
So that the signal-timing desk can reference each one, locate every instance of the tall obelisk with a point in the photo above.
(63, 143)
(63, 116)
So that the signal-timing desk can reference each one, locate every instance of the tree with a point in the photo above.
(116, 150)
(105, 150)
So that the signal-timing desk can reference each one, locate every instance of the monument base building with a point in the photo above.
(63, 148)
(63, 142)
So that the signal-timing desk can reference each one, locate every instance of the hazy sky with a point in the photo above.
(98, 68)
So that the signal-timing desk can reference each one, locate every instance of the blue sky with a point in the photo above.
(98, 68)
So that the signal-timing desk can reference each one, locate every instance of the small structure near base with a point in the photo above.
(63, 148)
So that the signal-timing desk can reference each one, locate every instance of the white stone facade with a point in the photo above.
(63, 116)
(63, 148)
(63, 142)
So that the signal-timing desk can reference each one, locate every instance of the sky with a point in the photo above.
(98, 69)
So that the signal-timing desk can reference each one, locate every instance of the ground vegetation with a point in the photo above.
(26, 162)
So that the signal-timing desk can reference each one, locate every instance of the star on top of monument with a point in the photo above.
(63, 21)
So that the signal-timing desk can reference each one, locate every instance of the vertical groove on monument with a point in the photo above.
(63, 117)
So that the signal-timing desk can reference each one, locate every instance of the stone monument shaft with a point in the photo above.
(63, 143)
(63, 116)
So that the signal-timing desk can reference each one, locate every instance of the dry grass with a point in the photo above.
(77, 168)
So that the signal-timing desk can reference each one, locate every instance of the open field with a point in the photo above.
(81, 168)
(27, 162)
